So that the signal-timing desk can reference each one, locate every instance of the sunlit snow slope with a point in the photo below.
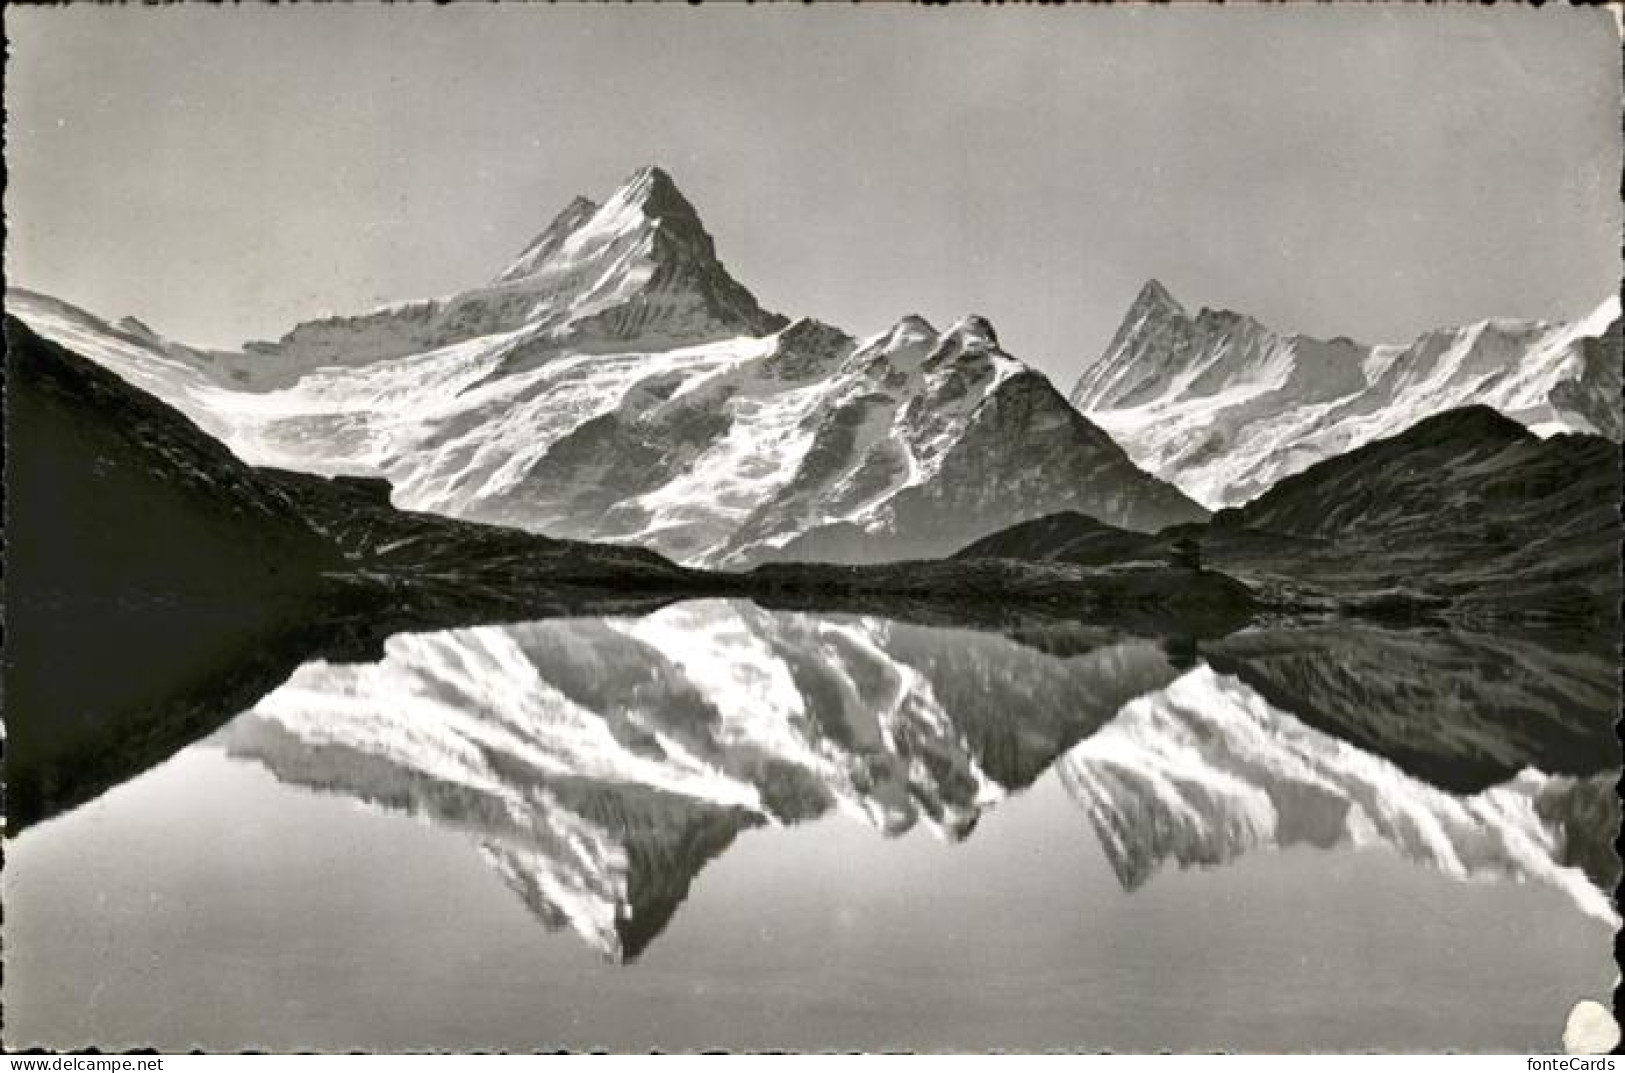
(1225, 407)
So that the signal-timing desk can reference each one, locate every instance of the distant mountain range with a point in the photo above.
(1225, 407)
(616, 384)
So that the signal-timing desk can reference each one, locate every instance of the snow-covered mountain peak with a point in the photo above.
(806, 350)
(912, 330)
(1154, 296)
(652, 190)
(969, 336)
(1224, 406)
(972, 331)
(636, 273)
(646, 212)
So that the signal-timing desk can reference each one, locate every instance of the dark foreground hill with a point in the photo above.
(1465, 515)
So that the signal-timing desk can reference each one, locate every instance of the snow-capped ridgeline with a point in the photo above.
(615, 383)
(1224, 407)
(600, 763)
(1206, 770)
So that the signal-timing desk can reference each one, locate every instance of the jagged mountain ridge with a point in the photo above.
(1225, 407)
(200, 582)
(614, 383)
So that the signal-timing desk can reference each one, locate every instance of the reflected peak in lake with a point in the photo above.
(1206, 770)
(601, 762)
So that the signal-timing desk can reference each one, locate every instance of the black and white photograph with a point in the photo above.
(831, 528)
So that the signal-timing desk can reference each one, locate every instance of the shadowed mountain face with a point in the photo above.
(133, 535)
(616, 384)
(1067, 537)
(1225, 407)
(1474, 463)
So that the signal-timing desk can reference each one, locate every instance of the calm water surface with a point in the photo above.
(719, 826)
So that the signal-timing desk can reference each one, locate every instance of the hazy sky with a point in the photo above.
(1364, 171)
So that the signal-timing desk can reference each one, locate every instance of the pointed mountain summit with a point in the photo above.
(651, 190)
(1154, 296)
(639, 270)
(645, 209)
(650, 269)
